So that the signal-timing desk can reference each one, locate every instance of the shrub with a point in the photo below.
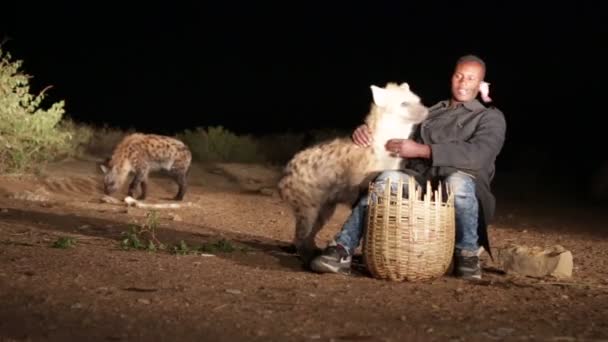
(29, 134)
(217, 144)
(81, 135)
(104, 139)
(280, 148)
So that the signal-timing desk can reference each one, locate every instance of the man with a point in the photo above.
(457, 144)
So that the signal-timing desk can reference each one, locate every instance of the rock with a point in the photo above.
(267, 191)
(554, 261)
(109, 199)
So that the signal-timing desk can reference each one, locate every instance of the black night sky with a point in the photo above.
(252, 68)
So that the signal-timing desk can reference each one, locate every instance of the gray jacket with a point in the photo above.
(466, 138)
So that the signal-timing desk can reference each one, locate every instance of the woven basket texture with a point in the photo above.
(410, 233)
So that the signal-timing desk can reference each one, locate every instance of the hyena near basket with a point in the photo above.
(337, 171)
(141, 154)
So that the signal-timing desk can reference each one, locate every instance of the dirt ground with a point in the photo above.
(97, 290)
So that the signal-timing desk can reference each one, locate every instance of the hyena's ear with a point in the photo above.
(379, 95)
(104, 165)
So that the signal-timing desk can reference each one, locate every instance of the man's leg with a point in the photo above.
(467, 250)
(337, 257)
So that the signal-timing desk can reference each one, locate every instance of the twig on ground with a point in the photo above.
(130, 201)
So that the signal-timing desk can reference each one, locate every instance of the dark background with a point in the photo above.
(295, 66)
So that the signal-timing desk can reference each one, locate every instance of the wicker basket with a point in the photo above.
(411, 238)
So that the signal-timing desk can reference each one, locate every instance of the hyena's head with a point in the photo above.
(114, 176)
(401, 101)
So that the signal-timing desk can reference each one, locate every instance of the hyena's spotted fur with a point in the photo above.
(141, 154)
(333, 172)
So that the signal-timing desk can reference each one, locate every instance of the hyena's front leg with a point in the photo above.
(180, 178)
(144, 189)
(179, 172)
(139, 179)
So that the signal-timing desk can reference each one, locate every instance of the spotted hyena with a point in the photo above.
(140, 154)
(336, 171)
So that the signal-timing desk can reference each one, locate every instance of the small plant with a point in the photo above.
(182, 249)
(134, 239)
(64, 242)
(221, 246)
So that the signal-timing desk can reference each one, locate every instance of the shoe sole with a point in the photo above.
(470, 277)
(321, 267)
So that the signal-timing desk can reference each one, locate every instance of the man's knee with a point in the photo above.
(461, 184)
(383, 178)
(394, 175)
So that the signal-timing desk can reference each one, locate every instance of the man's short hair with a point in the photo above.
(471, 58)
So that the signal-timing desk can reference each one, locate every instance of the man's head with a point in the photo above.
(468, 74)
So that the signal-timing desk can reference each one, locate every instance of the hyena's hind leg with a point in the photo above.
(325, 213)
(179, 171)
(304, 246)
(308, 224)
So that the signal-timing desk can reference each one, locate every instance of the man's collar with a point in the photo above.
(472, 105)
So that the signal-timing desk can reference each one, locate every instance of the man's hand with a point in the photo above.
(407, 148)
(362, 136)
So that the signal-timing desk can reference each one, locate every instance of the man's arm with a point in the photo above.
(408, 148)
(477, 152)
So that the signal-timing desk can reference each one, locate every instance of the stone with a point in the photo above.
(553, 261)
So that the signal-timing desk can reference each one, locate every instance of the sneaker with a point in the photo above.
(467, 265)
(335, 259)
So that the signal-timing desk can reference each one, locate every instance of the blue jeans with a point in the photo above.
(466, 210)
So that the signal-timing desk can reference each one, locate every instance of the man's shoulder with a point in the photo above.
(440, 104)
(495, 115)
(493, 110)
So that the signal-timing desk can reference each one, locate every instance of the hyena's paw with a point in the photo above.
(291, 249)
(307, 254)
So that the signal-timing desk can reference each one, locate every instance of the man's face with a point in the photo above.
(465, 81)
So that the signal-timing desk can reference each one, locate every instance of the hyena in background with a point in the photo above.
(140, 154)
(336, 171)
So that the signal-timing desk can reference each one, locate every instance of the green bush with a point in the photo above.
(217, 144)
(280, 148)
(321, 135)
(29, 134)
(104, 139)
(81, 135)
